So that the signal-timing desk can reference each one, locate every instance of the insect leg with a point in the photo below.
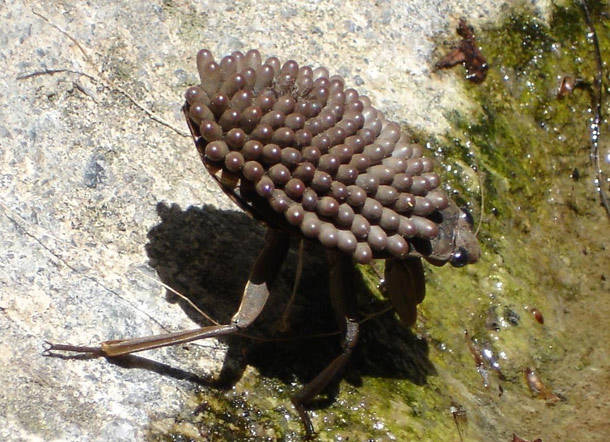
(254, 297)
(344, 302)
(406, 287)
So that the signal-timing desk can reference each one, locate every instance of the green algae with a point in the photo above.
(541, 229)
(520, 163)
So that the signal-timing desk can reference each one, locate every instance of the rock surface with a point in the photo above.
(86, 173)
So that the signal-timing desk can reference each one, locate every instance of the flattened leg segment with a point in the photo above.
(406, 287)
(265, 269)
(253, 301)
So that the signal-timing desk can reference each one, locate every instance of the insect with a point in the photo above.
(300, 152)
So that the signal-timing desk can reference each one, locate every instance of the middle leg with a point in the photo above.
(343, 299)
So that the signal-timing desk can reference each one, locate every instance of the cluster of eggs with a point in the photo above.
(316, 152)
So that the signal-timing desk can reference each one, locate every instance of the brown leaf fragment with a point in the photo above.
(538, 388)
(538, 316)
(468, 54)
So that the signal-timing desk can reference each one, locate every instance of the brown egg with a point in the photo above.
(316, 152)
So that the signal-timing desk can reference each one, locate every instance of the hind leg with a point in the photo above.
(254, 297)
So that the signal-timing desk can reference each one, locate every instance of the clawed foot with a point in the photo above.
(49, 348)
(310, 433)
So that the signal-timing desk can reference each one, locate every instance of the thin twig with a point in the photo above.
(597, 98)
(74, 40)
(181, 296)
(83, 90)
(113, 86)
(102, 78)
(56, 71)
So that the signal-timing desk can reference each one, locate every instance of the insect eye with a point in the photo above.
(459, 258)
(467, 216)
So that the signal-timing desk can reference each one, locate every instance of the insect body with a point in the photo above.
(297, 150)
(300, 152)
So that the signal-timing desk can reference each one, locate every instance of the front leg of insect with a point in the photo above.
(405, 286)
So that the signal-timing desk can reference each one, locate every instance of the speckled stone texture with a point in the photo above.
(85, 176)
